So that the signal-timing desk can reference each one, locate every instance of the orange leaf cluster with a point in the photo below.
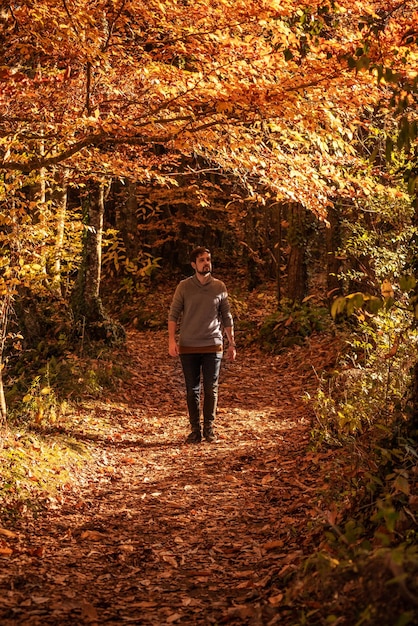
(262, 89)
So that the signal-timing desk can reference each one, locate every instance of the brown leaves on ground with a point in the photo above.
(158, 532)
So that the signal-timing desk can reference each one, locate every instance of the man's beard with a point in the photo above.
(204, 272)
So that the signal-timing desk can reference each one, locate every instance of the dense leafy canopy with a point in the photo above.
(274, 92)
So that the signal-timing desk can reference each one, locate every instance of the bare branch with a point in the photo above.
(70, 17)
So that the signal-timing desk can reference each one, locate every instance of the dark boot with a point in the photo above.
(209, 433)
(196, 435)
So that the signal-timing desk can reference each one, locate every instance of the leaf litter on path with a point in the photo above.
(158, 532)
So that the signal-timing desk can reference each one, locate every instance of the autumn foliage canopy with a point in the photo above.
(276, 93)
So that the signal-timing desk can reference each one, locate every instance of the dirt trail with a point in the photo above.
(158, 532)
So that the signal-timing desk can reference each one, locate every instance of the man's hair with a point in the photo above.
(198, 252)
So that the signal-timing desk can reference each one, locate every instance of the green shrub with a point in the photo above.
(291, 325)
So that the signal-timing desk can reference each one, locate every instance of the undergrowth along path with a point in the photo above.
(159, 532)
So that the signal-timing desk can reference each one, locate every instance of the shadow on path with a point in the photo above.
(158, 532)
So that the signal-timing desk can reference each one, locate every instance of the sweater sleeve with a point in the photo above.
(225, 311)
(177, 304)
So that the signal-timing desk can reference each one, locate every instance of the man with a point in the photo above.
(201, 302)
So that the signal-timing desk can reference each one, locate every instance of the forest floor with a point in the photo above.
(154, 531)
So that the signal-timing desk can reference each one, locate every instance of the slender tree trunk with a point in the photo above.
(125, 218)
(86, 302)
(279, 253)
(296, 265)
(89, 314)
(4, 318)
(3, 407)
(332, 242)
(129, 226)
(414, 399)
(93, 245)
(251, 247)
(59, 198)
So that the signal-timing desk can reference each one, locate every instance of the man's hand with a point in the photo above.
(173, 348)
(232, 353)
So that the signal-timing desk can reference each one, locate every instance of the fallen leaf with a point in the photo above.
(276, 599)
(272, 545)
(199, 573)
(244, 574)
(88, 611)
(128, 460)
(170, 560)
(38, 551)
(39, 599)
(7, 533)
(93, 535)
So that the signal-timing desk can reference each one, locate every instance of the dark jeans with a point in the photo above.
(209, 365)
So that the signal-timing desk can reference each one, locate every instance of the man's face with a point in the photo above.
(203, 265)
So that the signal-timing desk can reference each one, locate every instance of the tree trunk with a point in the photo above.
(59, 199)
(414, 391)
(4, 318)
(296, 266)
(332, 242)
(128, 220)
(3, 407)
(89, 314)
(278, 251)
(251, 247)
(93, 246)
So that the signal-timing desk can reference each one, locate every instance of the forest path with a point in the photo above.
(159, 532)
